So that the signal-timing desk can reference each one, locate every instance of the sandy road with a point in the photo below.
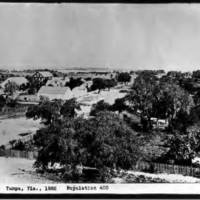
(19, 171)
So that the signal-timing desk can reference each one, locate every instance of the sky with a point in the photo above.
(131, 36)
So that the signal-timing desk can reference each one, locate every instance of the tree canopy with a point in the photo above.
(124, 77)
(11, 87)
(103, 142)
(158, 99)
(100, 84)
(48, 111)
(74, 82)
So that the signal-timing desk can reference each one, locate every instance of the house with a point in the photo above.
(159, 123)
(42, 75)
(51, 93)
(18, 80)
(57, 82)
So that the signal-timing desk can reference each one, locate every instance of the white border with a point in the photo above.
(139, 188)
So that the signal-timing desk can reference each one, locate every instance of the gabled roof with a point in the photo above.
(54, 90)
(45, 73)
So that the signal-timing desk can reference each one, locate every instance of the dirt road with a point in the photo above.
(19, 170)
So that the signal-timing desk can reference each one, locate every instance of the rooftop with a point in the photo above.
(45, 73)
(54, 90)
(17, 80)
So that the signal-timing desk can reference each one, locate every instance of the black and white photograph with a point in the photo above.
(99, 94)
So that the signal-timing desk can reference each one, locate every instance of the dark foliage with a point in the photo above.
(74, 82)
(100, 84)
(99, 106)
(124, 77)
(104, 142)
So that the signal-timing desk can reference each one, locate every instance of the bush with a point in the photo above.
(124, 77)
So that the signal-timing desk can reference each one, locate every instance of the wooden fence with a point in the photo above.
(13, 111)
(19, 154)
(140, 166)
(167, 168)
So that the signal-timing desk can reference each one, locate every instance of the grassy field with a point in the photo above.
(11, 128)
(20, 171)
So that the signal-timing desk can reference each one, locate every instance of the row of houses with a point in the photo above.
(63, 93)
(54, 88)
(19, 80)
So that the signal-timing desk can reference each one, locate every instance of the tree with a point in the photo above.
(46, 110)
(158, 99)
(11, 87)
(24, 86)
(2, 102)
(119, 105)
(196, 74)
(98, 84)
(74, 82)
(33, 85)
(153, 148)
(50, 111)
(69, 108)
(109, 83)
(56, 144)
(124, 77)
(98, 107)
(142, 95)
(177, 100)
(109, 142)
(182, 145)
(105, 142)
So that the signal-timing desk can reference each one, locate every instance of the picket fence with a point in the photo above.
(167, 168)
(32, 155)
(140, 166)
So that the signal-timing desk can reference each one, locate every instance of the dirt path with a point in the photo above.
(18, 170)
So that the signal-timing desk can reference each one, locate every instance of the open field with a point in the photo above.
(19, 171)
(135, 177)
(93, 97)
(11, 128)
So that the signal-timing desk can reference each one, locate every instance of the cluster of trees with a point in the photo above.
(166, 99)
(124, 77)
(162, 99)
(6, 101)
(100, 84)
(108, 140)
(10, 88)
(105, 142)
(119, 106)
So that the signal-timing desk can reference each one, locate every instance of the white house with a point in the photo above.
(57, 82)
(18, 80)
(51, 93)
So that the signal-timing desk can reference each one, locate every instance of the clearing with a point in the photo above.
(11, 128)
(142, 177)
(20, 171)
